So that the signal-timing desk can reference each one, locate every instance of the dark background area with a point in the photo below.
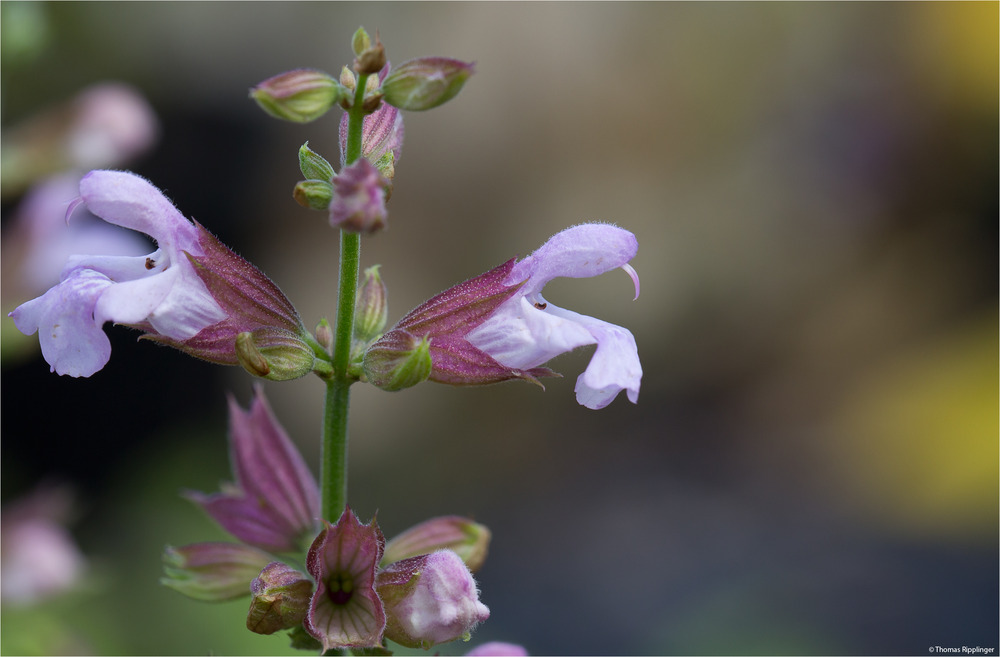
(812, 467)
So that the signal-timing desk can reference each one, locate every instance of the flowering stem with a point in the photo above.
(333, 470)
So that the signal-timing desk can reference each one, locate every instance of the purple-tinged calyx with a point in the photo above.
(443, 322)
(426, 82)
(345, 611)
(301, 95)
(274, 503)
(381, 138)
(214, 571)
(469, 540)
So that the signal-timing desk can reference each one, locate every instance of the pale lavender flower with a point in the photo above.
(526, 330)
(105, 125)
(275, 502)
(497, 326)
(429, 599)
(40, 559)
(112, 123)
(190, 283)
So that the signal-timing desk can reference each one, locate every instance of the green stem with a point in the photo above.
(333, 458)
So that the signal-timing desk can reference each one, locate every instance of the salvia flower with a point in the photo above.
(498, 327)
(193, 293)
(274, 504)
(430, 599)
(345, 610)
(526, 330)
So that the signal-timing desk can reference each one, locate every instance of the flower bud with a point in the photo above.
(468, 539)
(274, 354)
(360, 41)
(324, 334)
(429, 599)
(212, 571)
(399, 362)
(313, 165)
(372, 309)
(313, 194)
(301, 95)
(358, 204)
(369, 58)
(348, 80)
(280, 599)
(426, 82)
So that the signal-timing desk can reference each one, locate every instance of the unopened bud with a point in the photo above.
(280, 599)
(371, 59)
(347, 79)
(324, 334)
(212, 571)
(301, 95)
(398, 361)
(468, 539)
(274, 354)
(372, 309)
(424, 83)
(313, 194)
(358, 203)
(313, 165)
(360, 41)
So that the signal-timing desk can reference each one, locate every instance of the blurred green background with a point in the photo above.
(812, 467)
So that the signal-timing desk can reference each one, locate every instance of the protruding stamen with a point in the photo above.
(634, 276)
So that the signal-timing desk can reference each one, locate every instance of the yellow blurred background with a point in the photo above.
(812, 467)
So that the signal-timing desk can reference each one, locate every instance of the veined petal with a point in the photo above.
(578, 252)
(345, 610)
(614, 366)
(72, 341)
(522, 336)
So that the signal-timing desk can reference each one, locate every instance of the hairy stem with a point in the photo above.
(333, 474)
